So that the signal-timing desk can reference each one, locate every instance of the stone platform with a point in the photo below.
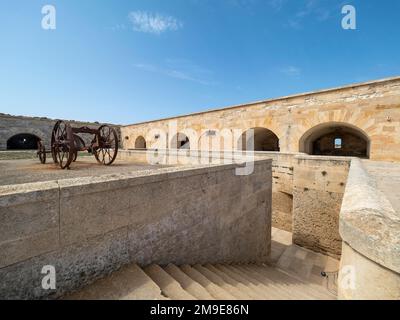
(30, 170)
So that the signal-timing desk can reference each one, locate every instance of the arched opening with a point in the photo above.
(264, 140)
(140, 143)
(180, 141)
(23, 141)
(216, 140)
(335, 139)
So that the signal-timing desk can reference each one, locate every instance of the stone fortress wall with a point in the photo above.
(366, 113)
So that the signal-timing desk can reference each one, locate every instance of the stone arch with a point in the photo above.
(264, 139)
(336, 139)
(180, 141)
(23, 141)
(140, 143)
(216, 140)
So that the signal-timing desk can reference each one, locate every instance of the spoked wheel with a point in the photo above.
(53, 140)
(41, 152)
(62, 147)
(79, 145)
(107, 149)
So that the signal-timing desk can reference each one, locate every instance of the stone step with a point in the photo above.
(233, 292)
(217, 292)
(313, 290)
(306, 264)
(271, 292)
(294, 285)
(284, 286)
(128, 283)
(282, 294)
(214, 276)
(188, 284)
(259, 293)
(169, 286)
(282, 282)
(317, 289)
(236, 288)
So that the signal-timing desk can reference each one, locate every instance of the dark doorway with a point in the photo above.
(335, 139)
(23, 141)
(264, 140)
(140, 143)
(341, 142)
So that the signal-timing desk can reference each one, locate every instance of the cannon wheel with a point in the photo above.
(78, 142)
(107, 149)
(62, 144)
(53, 140)
(41, 152)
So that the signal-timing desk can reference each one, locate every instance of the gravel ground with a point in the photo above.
(28, 154)
(31, 170)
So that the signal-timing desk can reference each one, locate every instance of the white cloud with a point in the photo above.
(178, 70)
(155, 23)
(311, 10)
(117, 27)
(291, 71)
(276, 4)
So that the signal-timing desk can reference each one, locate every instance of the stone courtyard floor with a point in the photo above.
(31, 170)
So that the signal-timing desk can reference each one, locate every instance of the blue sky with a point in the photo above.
(126, 61)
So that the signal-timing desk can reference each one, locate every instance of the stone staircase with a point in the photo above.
(203, 282)
(293, 273)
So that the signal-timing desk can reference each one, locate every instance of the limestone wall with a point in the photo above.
(372, 108)
(88, 227)
(282, 189)
(369, 227)
(318, 188)
(282, 173)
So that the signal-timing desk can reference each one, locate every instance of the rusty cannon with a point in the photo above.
(66, 143)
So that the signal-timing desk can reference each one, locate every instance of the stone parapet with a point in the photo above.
(370, 229)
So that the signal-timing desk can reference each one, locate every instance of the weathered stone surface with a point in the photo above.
(369, 226)
(319, 184)
(18, 172)
(128, 283)
(28, 221)
(282, 175)
(368, 221)
(363, 279)
(282, 210)
(76, 266)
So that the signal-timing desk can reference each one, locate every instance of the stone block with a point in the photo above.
(29, 221)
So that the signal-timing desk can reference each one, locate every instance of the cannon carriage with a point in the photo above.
(66, 143)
